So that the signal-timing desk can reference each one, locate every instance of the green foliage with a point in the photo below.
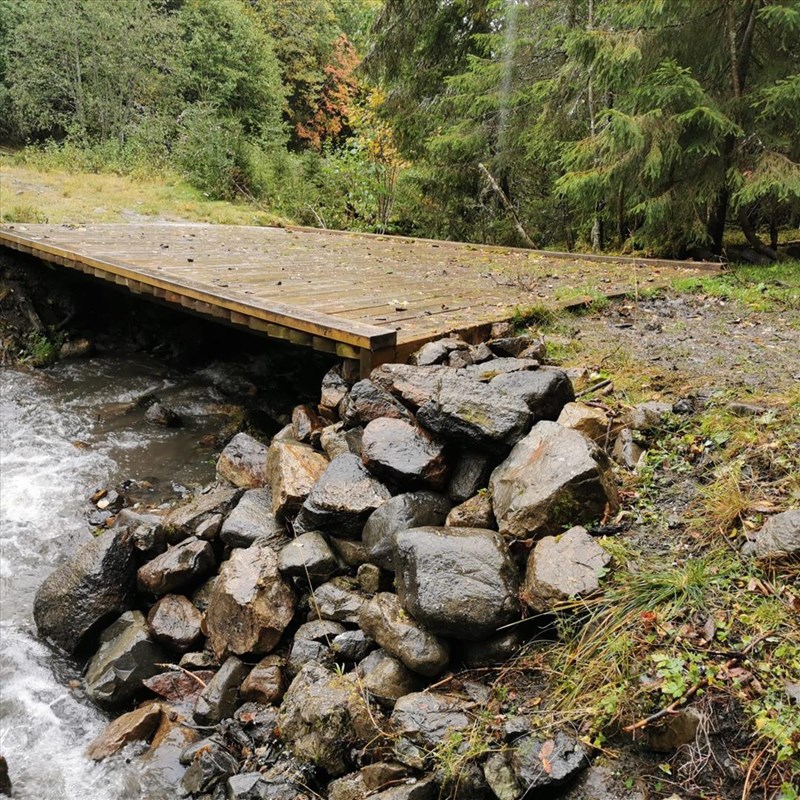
(88, 68)
(228, 63)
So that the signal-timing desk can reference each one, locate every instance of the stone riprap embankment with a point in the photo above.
(290, 631)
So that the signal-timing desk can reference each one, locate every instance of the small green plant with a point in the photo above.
(24, 213)
(39, 350)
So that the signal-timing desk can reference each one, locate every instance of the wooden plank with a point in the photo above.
(310, 322)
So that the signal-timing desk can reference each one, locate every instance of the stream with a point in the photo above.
(66, 431)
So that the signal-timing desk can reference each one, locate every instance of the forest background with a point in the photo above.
(666, 127)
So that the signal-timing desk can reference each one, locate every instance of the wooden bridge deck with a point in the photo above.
(375, 298)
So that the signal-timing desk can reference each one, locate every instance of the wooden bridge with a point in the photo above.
(366, 297)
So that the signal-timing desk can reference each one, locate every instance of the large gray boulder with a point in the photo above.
(383, 619)
(367, 402)
(243, 462)
(252, 519)
(293, 469)
(250, 605)
(410, 510)
(554, 477)
(86, 591)
(403, 454)
(532, 765)
(545, 391)
(342, 499)
(457, 582)
(488, 370)
(126, 656)
(476, 415)
(180, 567)
(564, 567)
(324, 717)
(779, 537)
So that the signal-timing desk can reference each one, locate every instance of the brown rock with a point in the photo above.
(306, 425)
(474, 513)
(293, 469)
(265, 683)
(243, 462)
(173, 621)
(590, 421)
(181, 566)
(135, 726)
(179, 686)
(250, 605)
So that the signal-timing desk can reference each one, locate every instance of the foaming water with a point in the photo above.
(64, 432)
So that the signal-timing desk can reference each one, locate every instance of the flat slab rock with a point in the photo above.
(457, 582)
(138, 725)
(564, 567)
(414, 385)
(367, 402)
(342, 499)
(429, 718)
(183, 520)
(554, 477)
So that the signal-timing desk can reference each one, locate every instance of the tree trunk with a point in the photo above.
(507, 205)
(753, 238)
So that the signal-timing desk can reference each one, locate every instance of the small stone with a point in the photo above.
(337, 602)
(367, 402)
(293, 471)
(386, 678)
(243, 462)
(220, 698)
(499, 366)
(553, 477)
(306, 425)
(352, 645)
(309, 558)
(252, 520)
(588, 420)
(324, 719)
(403, 454)
(264, 684)
(369, 578)
(208, 529)
(177, 686)
(305, 651)
(135, 726)
(178, 568)
(342, 499)
(515, 346)
(383, 619)
(678, 730)
(563, 568)
(213, 501)
(649, 416)
(159, 414)
(126, 656)
(474, 513)
(352, 553)
(779, 537)
(410, 510)
(202, 660)
(457, 582)
(77, 348)
(251, 604)
(627, 452)
(428, 718)
(436, 352)
(492, 651)
(334, 388)
(174, 622)
(470, 475)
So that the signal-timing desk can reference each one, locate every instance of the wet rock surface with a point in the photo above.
(180, 567)
(243, 462)
(97, 584)
(293, 469)
(250, 605)
(252, 519)
(457, 582)
(175, 623)
(342, 499)
(553, 477)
